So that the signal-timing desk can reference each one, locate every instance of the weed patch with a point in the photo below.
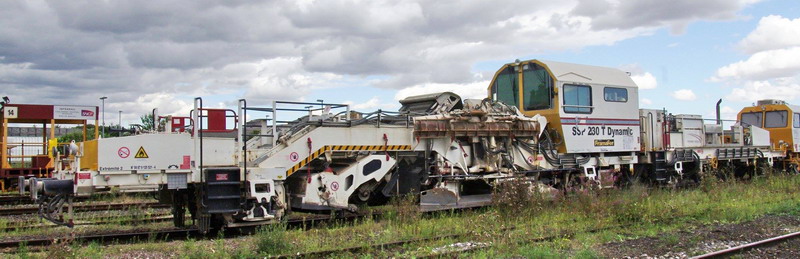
(271, 239)
(518, 196)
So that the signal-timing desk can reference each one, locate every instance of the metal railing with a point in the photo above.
(279, 108)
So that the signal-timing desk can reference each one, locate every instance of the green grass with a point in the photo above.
(644, 212)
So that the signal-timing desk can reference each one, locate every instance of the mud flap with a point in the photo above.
(444, 199)
(438, 196)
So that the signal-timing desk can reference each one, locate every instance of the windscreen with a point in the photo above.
(752, 118)
(505, 87)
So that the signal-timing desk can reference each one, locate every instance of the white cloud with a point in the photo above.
(475, 90)
(727, 113)
(773, 32)
(372, 104)
(287, 49)
(645, 101)
(676, 14)
(752, 91)
(167, 104)
(282, 79)
(645, 80)
(642, 78)
(684, 95)
(763, 65)
(773, 69)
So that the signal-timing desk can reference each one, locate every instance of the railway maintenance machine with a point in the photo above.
(558, 125)
(15, 162)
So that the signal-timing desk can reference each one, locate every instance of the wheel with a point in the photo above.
(628, 178)
(574, 181)
(178, 210)
(362, 194)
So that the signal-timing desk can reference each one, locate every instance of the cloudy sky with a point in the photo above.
(684, 54)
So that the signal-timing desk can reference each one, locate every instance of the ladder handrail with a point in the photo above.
(198, 132)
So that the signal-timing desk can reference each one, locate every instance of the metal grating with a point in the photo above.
(176, 181)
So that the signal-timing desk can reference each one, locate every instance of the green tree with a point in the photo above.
(147, 123)
(77, 134)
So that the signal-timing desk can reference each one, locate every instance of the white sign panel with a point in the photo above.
(11, 112)
(601, 135)
(73, 112)
(149, 152)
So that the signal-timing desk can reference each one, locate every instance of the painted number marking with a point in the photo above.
(124, 152)
(294, 156)
(11, 112)
(335, 186)
(602, 131)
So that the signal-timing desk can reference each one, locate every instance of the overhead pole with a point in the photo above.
(119, 124)
(103, 100)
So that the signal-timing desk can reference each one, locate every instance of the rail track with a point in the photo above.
(9, 199)
(104, 238)
(40, 243)
(738, 249)
(14, 200)
(447, 254)
(87, 207)
(357, 249)
(105, 221)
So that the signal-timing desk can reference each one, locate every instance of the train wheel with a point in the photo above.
(576, 182)
(363, 194)
(725, 171)
(178, 209)
(628, 178)
(204, 223)
(763, 168)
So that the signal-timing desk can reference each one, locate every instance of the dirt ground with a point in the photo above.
(705, 239)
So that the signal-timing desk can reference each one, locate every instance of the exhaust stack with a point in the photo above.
(719, 120)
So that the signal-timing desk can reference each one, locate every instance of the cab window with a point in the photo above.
(796, 120)
(505, 87)
(577, 99)
(613, 94)
(537, 87)
(752, 118)
(775, 119)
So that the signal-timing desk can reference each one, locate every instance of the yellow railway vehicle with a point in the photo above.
(782, 120)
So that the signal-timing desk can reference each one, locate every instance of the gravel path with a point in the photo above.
(705, 239)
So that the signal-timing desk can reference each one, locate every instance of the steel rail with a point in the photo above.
(26, 199)
(748, 246)
(161, 235)
(570, 234)
(383, 246)
(87, 207)
(14, 200)
(104, 221)
(171, 234)
(356, 249)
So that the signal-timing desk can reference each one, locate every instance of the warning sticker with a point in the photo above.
(141, 153)
(123, 152)
(84, 176)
